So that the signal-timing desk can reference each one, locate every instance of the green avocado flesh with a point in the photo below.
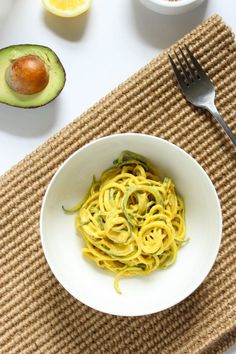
(54, 67)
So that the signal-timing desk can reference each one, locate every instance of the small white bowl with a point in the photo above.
(141, 295)
(171, 7)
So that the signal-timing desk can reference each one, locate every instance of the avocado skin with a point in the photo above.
(36, 106)
(37, 49)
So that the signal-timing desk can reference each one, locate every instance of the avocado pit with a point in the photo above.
(27, 75)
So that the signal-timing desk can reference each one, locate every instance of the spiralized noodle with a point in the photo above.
(132, 223)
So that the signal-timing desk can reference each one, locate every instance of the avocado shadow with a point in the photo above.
(29, 122)
(161, 31)
(71, 29)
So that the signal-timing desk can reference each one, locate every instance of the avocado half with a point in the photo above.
(50, 75)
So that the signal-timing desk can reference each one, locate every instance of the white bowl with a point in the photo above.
(141, 295)
(171, 7)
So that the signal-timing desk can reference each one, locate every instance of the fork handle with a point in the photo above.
(213, 110)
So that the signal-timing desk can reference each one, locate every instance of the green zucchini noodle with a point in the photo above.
(132, 223)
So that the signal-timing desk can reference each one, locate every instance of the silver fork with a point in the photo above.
(196, 86)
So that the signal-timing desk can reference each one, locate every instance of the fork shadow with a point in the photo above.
(161, 31)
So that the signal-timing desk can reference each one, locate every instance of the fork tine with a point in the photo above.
(195, 63)
(177, 73)
(187, 63)
(182, 67)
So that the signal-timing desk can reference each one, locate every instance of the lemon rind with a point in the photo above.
(66, 13)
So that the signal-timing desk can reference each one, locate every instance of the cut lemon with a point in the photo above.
(66, 8)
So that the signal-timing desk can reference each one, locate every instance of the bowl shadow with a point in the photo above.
(161, 31)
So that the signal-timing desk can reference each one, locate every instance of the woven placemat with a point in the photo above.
(37, 314)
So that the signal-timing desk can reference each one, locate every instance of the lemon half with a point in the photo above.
(66, 8)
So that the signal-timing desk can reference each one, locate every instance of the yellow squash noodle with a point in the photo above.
(132, 223)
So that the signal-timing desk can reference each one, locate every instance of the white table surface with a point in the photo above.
(99, 50)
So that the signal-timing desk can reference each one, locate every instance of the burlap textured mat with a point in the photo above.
(37, 314)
